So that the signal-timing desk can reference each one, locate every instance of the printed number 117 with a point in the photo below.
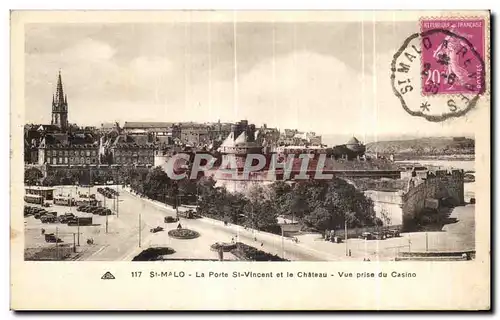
(136, 274)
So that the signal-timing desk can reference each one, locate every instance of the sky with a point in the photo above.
(327, 77)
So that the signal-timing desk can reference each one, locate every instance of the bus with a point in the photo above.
(64, 201)
(33, 198)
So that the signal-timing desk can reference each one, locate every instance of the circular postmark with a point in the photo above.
(437, 74)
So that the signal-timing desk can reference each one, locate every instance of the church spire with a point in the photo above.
(59, 91)
(60, 106)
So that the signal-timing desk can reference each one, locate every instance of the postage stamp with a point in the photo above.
(439, 73)
(452, 56)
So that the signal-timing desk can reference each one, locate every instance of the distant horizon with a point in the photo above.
(327, 138)
(288, 75)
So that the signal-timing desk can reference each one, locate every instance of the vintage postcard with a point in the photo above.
(250, 160)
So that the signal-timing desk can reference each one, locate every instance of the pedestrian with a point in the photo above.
(349, 252)
(179, 226)
(232, 240)
(43, 231)
(262, 244)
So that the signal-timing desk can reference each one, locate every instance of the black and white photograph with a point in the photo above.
(225, 138)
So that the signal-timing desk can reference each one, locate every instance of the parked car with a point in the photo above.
(367, 236)
(157, 229)
(170, 219)
(48, 218)
(105, 212)
(66, 217)
(50, 237)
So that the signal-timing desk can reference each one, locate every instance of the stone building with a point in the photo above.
(194, 133)
(67, 154)
(130, 150)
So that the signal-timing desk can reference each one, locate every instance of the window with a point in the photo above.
(66, 153)
(93, 160)
(48, 153)
(93, 153)
(66, 160)
(54, 160)
(82, 153)
(88, 153)
(82, 160)
(88, 160)
(71, 160)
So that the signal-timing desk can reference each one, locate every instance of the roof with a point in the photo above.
(192, 125)
(48, 127)
(71, 146)
(131, 139)
(39, 188)
(133, 146)
(109, 125)
(229, 141)
(147, 125)
(353, 140)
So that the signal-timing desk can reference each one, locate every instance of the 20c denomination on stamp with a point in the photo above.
(439, 73)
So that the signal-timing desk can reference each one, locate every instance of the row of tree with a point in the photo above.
(319, 205)
(316, 204)
(33, 176)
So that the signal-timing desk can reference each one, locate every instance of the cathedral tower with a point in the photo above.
(60, 107)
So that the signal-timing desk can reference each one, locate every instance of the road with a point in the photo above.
(122, 241)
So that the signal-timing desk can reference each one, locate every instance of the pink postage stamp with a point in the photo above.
(453, 56)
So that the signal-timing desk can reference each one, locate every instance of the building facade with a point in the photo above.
(133, 154)
(194, 133)
(59, 154)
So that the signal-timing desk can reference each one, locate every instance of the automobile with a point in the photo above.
(94, 210)
(90, 209)
(80, 208)
(379, 236)
(157, 229)
(48, 219)
(105, 212)
(392, 233)
(189, 214)
(367, 236)
(50, 237)
(65, 217)
(46, 204)
(170, 219)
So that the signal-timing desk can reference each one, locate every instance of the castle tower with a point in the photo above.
(60, 107)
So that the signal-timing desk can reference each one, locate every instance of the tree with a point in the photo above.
(32, 176)
(156, 184)
(330, 204)
(260, 211)
(386, 218)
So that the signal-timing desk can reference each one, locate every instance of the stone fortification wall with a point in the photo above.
(440, 185)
